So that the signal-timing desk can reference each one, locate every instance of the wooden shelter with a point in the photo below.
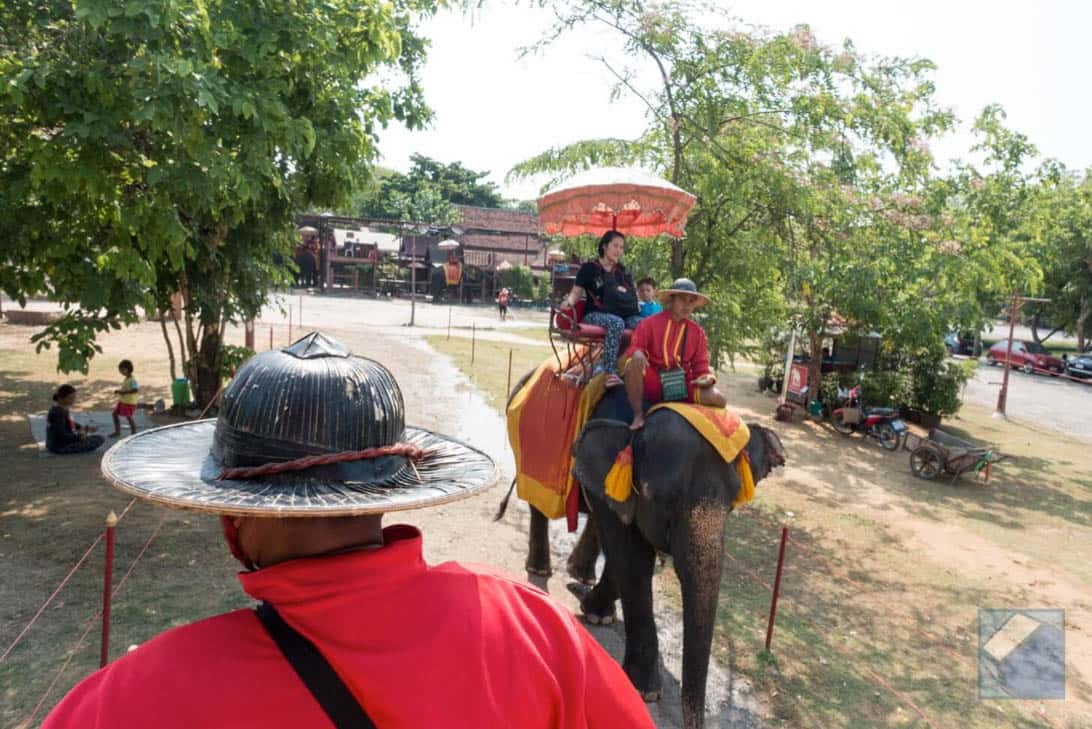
(487, 236)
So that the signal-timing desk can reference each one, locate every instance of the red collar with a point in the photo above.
(336, 576)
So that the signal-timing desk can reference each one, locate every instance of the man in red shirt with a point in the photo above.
(355, 629)
(670, 350)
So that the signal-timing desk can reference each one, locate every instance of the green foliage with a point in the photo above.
(150, 148)
(519, 280)
(429, 193)
(542, 289)
(886, 388)
(808, 163)
(1059, 227)
(232, 357)
(937, 382)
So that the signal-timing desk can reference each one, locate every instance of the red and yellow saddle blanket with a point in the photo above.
(721, 427)
(544, 418)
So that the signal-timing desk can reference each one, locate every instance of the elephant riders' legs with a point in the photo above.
(581, 564)
(630, 562)
(614, 327)
(538, 545)
(634, 378)
(696, 548)
(712, 397)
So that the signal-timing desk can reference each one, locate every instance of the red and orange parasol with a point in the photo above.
(633, 202)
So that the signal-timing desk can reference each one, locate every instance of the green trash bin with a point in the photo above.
(180, 392)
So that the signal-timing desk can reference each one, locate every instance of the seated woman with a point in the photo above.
(611, 300)
(669, 355)
(63, 434)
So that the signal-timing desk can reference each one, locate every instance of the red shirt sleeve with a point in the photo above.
(699, 363)
(642, 337)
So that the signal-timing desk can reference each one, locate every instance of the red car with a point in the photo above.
(1028, 356)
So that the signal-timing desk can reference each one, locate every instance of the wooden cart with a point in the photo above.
(943, 453)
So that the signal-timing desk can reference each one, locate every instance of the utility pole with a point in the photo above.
(413, 280)
(1002, 396)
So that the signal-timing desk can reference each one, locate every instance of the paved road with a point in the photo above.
(1050, 402)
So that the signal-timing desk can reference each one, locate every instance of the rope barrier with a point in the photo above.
(71, 572)
(91, 624)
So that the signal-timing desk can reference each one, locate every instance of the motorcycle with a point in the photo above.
(883, 424)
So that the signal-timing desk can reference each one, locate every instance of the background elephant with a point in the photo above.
(683, 491)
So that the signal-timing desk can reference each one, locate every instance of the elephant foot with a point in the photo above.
(596, 619)
(646, 680)
(594, 612)
(581, 573)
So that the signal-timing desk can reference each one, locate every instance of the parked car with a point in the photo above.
(962, 343)
(1080, 366)
(1028, 356)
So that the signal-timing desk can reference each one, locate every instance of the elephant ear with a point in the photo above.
(765, 451)
(593, 456)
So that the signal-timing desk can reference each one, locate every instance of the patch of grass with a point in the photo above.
(489, 370)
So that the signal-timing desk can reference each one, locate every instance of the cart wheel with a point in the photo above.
(889, 439)
(925, 463)
(839, 423)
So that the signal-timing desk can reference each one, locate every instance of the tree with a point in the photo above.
(1060, 229)
(149, 149)
(430, 192)
(807, 162)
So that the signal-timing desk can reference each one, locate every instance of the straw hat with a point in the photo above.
(309, 430)
(682, 286)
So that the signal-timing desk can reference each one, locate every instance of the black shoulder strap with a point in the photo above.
(317, 675)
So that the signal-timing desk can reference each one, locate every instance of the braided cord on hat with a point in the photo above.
(412, 452)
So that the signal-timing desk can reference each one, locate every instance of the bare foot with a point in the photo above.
(638, 422)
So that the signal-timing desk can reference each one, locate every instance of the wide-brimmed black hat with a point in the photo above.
(682, 286)
(309, 430)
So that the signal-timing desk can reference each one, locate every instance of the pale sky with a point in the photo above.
(493, 110)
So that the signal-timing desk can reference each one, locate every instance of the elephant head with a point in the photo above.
(601, 440)
(765, 451)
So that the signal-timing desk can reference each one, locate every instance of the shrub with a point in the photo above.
(519, 280)
(937, 382)
(232, 357)
(887, 388)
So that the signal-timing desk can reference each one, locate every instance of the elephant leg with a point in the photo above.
(630, 562)
(538, 546)
(598, 603)
(697, 550)
(581, 564)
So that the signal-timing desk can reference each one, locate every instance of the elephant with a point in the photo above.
(683, 492)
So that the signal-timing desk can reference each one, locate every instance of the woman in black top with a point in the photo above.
(63, 434)
(611, 300)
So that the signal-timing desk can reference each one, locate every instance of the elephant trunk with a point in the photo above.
(697, 549)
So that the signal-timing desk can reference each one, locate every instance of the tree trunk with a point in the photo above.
(1082, 320)
(170, 347)
(207, 365)
(678, 258)
(815, 365)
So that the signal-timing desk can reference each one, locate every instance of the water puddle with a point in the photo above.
(473, 420)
